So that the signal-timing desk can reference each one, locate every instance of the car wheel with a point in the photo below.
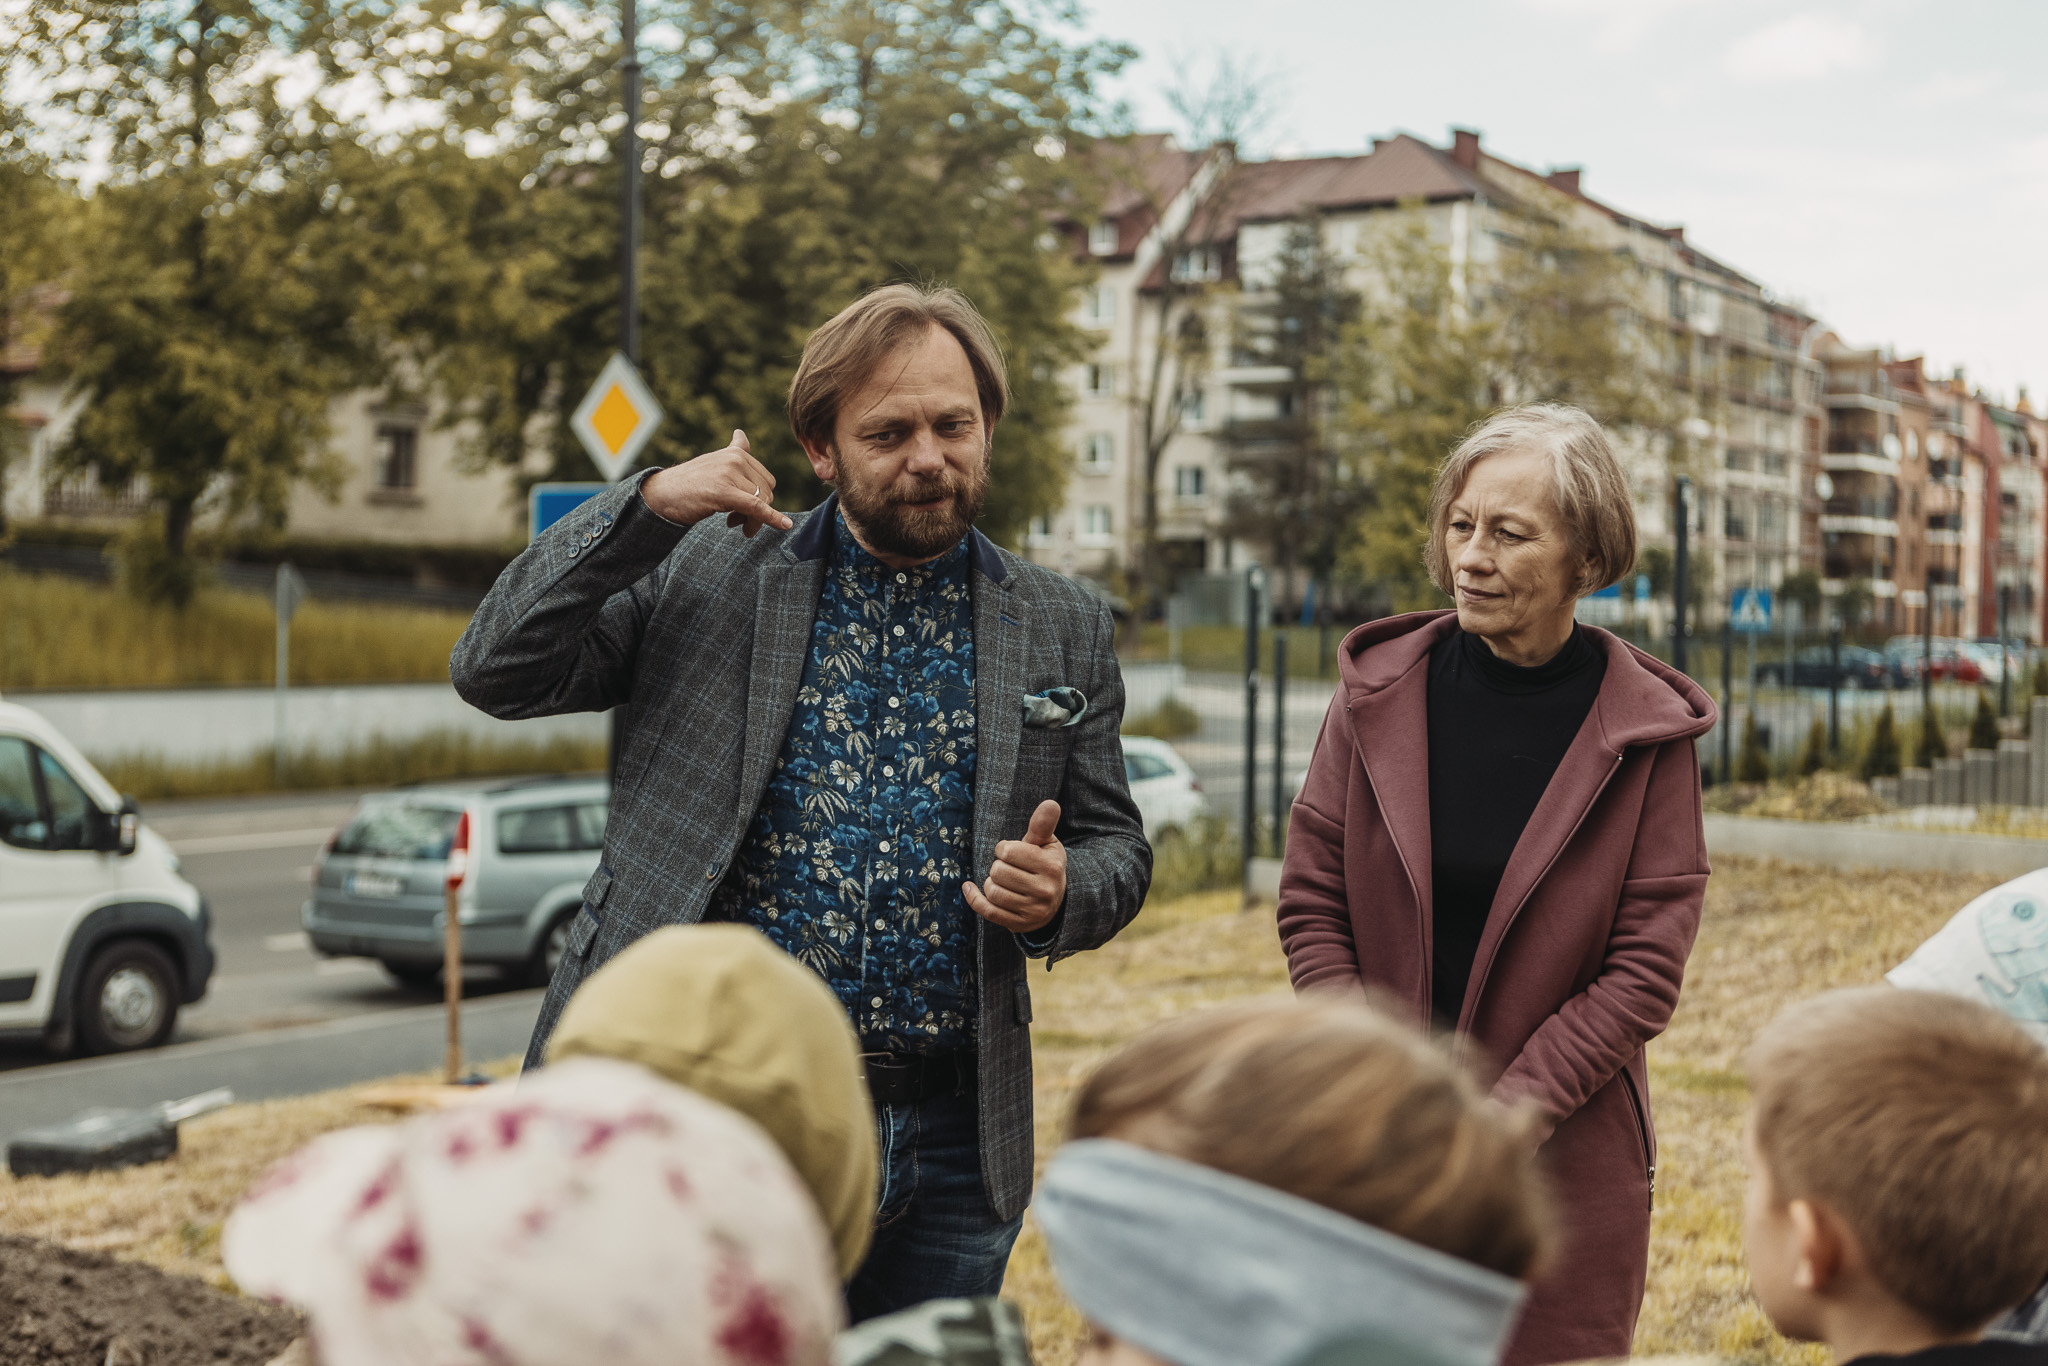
(413, 974)
(547, 955)
(129, 998)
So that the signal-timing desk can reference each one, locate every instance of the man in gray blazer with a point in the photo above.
(867, 731)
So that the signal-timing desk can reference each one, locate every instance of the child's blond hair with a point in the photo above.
(1337, 1104)
(1921, 1120)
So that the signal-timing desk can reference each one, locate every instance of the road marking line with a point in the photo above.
(259, 839)
(287, 943)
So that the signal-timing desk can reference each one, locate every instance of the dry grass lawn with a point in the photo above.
(1772, 933)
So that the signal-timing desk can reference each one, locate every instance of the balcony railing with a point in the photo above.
(1881, 509)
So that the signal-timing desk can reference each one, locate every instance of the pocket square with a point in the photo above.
(1053, 708)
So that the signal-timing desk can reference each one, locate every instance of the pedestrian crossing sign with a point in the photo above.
(617, 417)
(1749, 610)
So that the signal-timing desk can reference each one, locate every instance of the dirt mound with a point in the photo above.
(63, 1308)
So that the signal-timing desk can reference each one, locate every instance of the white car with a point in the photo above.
(101, 941)
(1168, 795)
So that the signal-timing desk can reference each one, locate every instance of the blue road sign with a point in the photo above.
(547, 504)
(1749, 610)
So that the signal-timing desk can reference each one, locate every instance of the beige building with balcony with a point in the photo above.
(1745, 388)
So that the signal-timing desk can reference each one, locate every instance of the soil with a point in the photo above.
(60, 1307)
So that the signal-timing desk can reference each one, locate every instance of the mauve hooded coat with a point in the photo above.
(1583, 951)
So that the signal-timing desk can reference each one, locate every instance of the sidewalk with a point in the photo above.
(271, 1063)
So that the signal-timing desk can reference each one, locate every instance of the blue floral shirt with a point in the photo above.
(854, 862)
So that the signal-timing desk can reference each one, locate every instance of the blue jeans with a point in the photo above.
(935, 1235)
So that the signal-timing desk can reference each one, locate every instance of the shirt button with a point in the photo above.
(881, 924)
(888, 770)
(899, 630)
(711, 875)
(883, 846)
(875, 1001)
(895, 702)
(903, 578)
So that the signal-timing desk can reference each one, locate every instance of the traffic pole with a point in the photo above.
(1681, 526)
(629, 256)
(1279, 742)
(1249, 839)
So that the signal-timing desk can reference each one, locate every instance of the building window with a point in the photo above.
(1040, 530)
(397, 457)
(1194, 409)
(1734, 520)
(1095, 522)
(1098, 452)
(1203, 265)
(1103, 239)
(1190, 482)
(1100, 381)
(1098, 309)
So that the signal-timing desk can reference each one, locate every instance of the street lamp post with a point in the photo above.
(629, 252)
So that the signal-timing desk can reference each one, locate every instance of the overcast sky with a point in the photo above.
(1883, 163)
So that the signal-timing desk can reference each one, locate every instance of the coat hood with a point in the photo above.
(1642, 701)
(1204, 1268)
(719, 1009)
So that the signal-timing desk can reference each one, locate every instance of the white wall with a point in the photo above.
(211, 725)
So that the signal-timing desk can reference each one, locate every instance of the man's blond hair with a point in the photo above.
(844, 354)
(1921, 1120)
(1338, 1104)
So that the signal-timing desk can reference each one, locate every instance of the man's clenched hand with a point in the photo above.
(730, 481)
(1029, 880)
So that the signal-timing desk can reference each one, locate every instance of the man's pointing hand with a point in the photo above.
(730, 481)
(1028, 883)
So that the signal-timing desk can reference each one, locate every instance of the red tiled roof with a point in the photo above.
(1403, 167)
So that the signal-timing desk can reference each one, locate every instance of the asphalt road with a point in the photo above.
(252, 857)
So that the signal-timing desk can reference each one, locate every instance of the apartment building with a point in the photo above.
(1737, 362)
(400, 476)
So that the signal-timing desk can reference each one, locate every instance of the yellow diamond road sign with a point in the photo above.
(617, 417)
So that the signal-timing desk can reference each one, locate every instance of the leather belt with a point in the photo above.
(907, 1078)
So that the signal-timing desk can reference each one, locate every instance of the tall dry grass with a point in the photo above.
(62, 633)
(1771, 935)
(378, 763)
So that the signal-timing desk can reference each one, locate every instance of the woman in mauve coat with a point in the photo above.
(1501, 829)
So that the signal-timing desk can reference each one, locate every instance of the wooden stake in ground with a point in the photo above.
(451, 952)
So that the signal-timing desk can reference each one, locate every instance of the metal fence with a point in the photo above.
(1790, 702)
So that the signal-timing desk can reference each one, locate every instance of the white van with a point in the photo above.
(101, 942)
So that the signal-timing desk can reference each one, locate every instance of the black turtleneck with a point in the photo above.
(1497, 732)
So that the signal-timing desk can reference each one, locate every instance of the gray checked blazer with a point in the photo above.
(702, 636)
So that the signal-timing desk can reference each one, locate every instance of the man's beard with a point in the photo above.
(885, 521)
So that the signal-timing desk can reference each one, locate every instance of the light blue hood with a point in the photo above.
(1203, 1268)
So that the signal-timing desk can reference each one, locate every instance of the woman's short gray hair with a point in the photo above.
(1587, 481)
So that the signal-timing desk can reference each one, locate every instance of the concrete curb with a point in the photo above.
(1843, 845)
(270, 1063)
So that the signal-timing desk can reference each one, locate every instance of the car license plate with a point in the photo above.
(374, 885)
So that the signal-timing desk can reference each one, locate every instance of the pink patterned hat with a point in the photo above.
(591, 1213)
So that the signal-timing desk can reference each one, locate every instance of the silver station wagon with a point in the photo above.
(379, 887)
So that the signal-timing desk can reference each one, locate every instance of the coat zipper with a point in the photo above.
(1635, 1106)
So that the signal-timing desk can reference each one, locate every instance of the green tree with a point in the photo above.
(1814, 757)
(1984, 725)
(796, 156)
(1803, 586)
(1881, 754)
(37, 215)
(1415, 372)
(1753, 764)
(1438, 347)
(1932, 745)
(1295, 493)
(209, 323)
